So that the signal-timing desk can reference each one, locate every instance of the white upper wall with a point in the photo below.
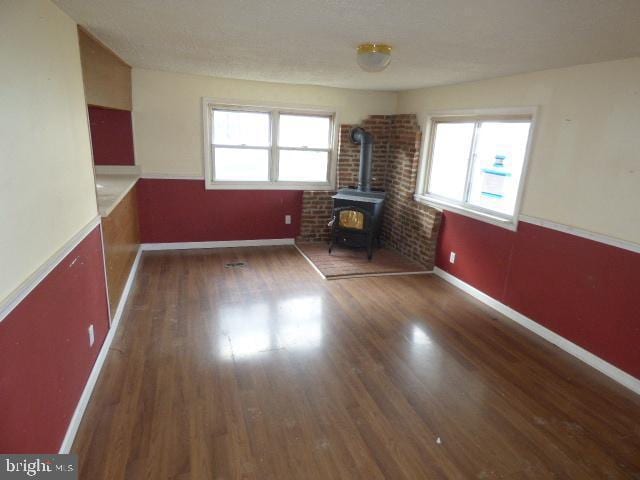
(585, 164)
(167, 112)
(47, 192)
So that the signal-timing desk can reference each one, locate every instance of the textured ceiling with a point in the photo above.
(313, 42)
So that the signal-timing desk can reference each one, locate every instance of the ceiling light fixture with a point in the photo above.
(374, 57)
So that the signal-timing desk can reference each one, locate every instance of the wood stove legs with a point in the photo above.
(373, 238)
(369, 245)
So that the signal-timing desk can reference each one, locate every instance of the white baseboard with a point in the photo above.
(587, 357)
(26, 287)
(217, 244)
(72, 429)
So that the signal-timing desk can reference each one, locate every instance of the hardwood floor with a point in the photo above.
(270, 372)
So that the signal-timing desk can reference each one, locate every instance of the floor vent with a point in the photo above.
(235, 265)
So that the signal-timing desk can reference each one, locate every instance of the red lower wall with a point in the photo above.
(111, 136)
(45, 358)
(584, 290)
(184, 211)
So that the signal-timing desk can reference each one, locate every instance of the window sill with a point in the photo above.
(268, 186)
(509, 224)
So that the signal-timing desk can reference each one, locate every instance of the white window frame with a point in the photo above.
(275, 109)
(503, 114)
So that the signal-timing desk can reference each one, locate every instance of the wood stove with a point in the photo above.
(357, 212)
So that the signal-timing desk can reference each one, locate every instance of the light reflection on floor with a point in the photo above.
(250, 328)
(426, 355)
(419, 337)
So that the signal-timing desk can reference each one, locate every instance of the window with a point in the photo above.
(475, 165)
(264, 147)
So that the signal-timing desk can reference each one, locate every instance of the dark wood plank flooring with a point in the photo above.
(270, 372)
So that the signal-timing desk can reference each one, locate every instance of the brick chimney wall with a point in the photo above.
(408, 227)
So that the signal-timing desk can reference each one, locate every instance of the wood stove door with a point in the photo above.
(353, 227)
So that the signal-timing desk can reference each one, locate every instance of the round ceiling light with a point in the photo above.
(374, 57)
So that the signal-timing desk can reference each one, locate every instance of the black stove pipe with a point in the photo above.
(365, 140)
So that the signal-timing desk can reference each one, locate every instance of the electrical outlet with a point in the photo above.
(287, 219)
(91, 336)
(452, 257)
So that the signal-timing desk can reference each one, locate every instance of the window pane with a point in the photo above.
(241, 128)
(241, 164)
(450, 158)
(304, 131)
(300, 166)
(498, 162)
